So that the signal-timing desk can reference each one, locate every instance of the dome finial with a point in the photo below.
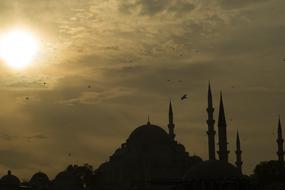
(148, 121)
(9, 172)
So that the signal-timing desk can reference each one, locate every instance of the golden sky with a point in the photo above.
(127, 50)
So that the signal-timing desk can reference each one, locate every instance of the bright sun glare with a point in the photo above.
(18, 48)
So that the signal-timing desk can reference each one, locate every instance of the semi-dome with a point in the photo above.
(67, 179)
(65, 176)
(10, 180)
(40, 179)
(40, 176)
(213, 170)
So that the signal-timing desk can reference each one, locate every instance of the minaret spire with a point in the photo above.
(280, 141)
(171, 124)
(222, 126)
(238, 153)
(211, 122)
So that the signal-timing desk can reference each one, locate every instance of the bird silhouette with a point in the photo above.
(184, 97)
(89, 86)
(27, 97)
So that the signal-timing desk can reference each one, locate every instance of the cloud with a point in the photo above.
(234, 4)
(37, 137)
(153, 7)
(127, 51)
(15, 159)
(7, 137)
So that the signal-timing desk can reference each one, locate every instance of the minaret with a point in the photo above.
(222, 127)
(211, 122)
(238, 154)
(280, 141)
(171, 125)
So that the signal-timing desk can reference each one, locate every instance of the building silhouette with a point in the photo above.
(215, 174)
(152, 158)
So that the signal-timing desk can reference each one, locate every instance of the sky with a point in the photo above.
(127, 50)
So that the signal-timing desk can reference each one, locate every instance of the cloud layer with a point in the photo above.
(109, 64)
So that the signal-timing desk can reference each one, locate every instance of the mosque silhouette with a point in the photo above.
(151, 159)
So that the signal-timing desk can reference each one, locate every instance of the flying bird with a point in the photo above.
(27, 97)
(184, 97)
(89, 86)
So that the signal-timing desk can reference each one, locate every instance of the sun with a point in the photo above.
(18, 48)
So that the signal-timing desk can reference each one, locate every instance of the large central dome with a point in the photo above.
(148, 134)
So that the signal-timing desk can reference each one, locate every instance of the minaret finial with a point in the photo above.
(170, 106)
(237, 139)
(211, 122)
(148, 120)
(222, 118)
(171, 124)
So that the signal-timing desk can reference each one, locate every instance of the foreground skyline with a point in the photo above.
(105, 65)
